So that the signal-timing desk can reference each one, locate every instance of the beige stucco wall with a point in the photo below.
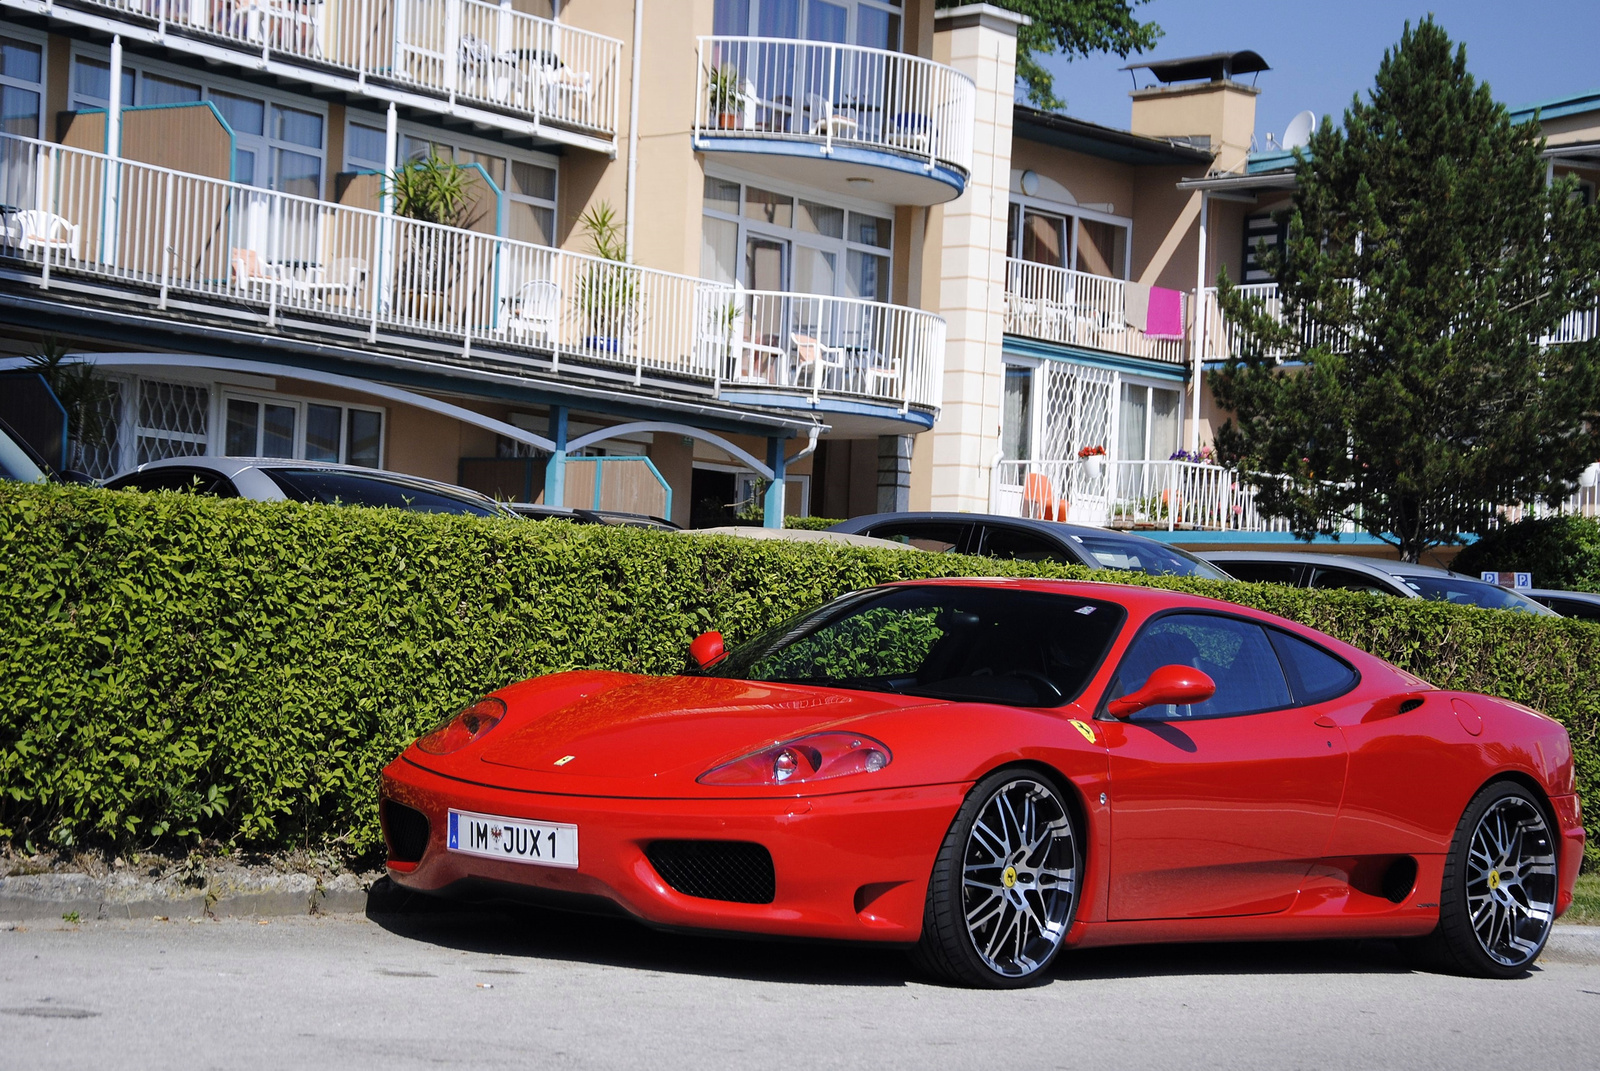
(1090, 180)
(1226, 111)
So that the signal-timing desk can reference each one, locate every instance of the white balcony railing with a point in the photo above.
(467, 50)
(1078, 309)
(1224, 339)
(835, 95)
(277, 258)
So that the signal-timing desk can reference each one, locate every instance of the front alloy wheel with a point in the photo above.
(1005, 885)
(1499, 892)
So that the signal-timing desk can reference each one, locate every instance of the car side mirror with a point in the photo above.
(707, 649)
(1175, 685)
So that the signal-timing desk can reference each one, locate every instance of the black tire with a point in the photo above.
(1000, 901)
(1497, 900)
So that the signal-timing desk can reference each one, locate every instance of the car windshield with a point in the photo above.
(1025, 648)
(1464, 592)
(356, 489)
(1147, 556)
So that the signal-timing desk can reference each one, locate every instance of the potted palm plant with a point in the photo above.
(608, 291)
(726, 95)
(431, 190)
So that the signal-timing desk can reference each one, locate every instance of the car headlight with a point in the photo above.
(809, 758)
(457, 732)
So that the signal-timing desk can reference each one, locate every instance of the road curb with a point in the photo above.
(1573, 944)
(124, 896)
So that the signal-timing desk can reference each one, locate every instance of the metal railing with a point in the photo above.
(1078, 309)
(274, 255)
(468, 50)
(835, 95)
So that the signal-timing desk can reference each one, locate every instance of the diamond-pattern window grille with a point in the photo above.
(1079, 409)
(102, 459)
(173, 420)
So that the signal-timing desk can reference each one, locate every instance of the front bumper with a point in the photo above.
(852, 866)
(1569, 817)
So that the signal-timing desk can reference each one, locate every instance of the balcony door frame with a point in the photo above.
(1071, 214)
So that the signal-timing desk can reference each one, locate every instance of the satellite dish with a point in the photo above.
(1298, 132)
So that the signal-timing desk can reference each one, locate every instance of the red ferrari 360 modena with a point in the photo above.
(989, 770)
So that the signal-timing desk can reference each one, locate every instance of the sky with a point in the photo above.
(1324, 51)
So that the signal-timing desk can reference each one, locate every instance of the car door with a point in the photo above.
(1218, 808)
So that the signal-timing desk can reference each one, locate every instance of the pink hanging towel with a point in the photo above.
(1165, 319)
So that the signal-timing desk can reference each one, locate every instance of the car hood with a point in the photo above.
(650, 736)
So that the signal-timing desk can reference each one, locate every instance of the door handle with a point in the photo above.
(1325, 722)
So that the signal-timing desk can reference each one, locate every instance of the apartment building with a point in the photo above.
(194, 195)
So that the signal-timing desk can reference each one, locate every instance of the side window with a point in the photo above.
(196, 481)
(1315, 676)
(1265, 572)
(940, 538)
(1023, 546)
(1346, 580)
(1235, 654)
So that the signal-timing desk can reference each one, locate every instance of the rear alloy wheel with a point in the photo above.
(1498, 898)
(1005, 885)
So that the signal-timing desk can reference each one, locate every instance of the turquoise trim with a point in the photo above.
(1055, 351)
(1277, 160)
(1576, 104)
(826, 404)
(843, 152)
(599, 476)
(233, 144)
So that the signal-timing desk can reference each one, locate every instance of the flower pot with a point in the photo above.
(1094, 466)
(728, 121)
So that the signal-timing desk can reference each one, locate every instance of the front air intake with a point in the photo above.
(731, 870)
(406, 830)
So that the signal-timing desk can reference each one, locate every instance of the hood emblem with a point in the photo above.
(563, 760)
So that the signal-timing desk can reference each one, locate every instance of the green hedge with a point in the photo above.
(811, 524)
(174, 667)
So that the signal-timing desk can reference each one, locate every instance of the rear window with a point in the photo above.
(934, 536)
(193, 481)
(1315, 675)
(1265, 572)
(1146, 556)
(356, 489)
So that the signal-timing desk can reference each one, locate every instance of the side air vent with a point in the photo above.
(1407, 706)
(736, 871)
(406, 830)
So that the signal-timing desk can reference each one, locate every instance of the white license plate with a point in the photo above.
(514, 839)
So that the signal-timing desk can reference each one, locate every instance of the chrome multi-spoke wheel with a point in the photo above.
(1005, 885)
(1497, 898)
(1511, 881)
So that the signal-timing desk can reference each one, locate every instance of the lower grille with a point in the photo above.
(406, 830)
(730, 870)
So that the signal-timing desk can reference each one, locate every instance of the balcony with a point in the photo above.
(478, 60)
(1075, 308)
(842, 118)
(1185, 496)
(1224, 339)
(185, 247)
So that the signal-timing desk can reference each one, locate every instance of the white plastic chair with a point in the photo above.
(813, 357)
(46, 231)
(532, 312)
(252, 273)
(825, 122)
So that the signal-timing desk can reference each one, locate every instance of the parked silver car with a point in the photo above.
(1348, 572)
(274, 479)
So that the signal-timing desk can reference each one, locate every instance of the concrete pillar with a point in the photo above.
(772, 508)
(980, 41)
(894, 473)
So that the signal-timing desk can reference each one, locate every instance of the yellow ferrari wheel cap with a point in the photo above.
(1494, 879)
(1009, 876)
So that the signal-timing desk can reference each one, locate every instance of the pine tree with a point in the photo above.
(1405, 386)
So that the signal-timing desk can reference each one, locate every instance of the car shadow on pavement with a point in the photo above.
(540, 932)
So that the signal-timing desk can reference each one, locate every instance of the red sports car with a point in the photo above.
(989, 770)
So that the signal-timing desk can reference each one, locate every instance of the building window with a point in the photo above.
(1066, 239)
(1147, 426)
(1261, 231)
(21, 85)
(771, 240)
(364, 147)
(527, 187)
(1016, 415)
(304, 430)
(873, 23)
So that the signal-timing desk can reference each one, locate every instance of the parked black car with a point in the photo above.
(1030, 540)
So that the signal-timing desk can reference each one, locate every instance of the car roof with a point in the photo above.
(231, 467)
(1560, 593)
(1349, 561)
(1055, 529)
